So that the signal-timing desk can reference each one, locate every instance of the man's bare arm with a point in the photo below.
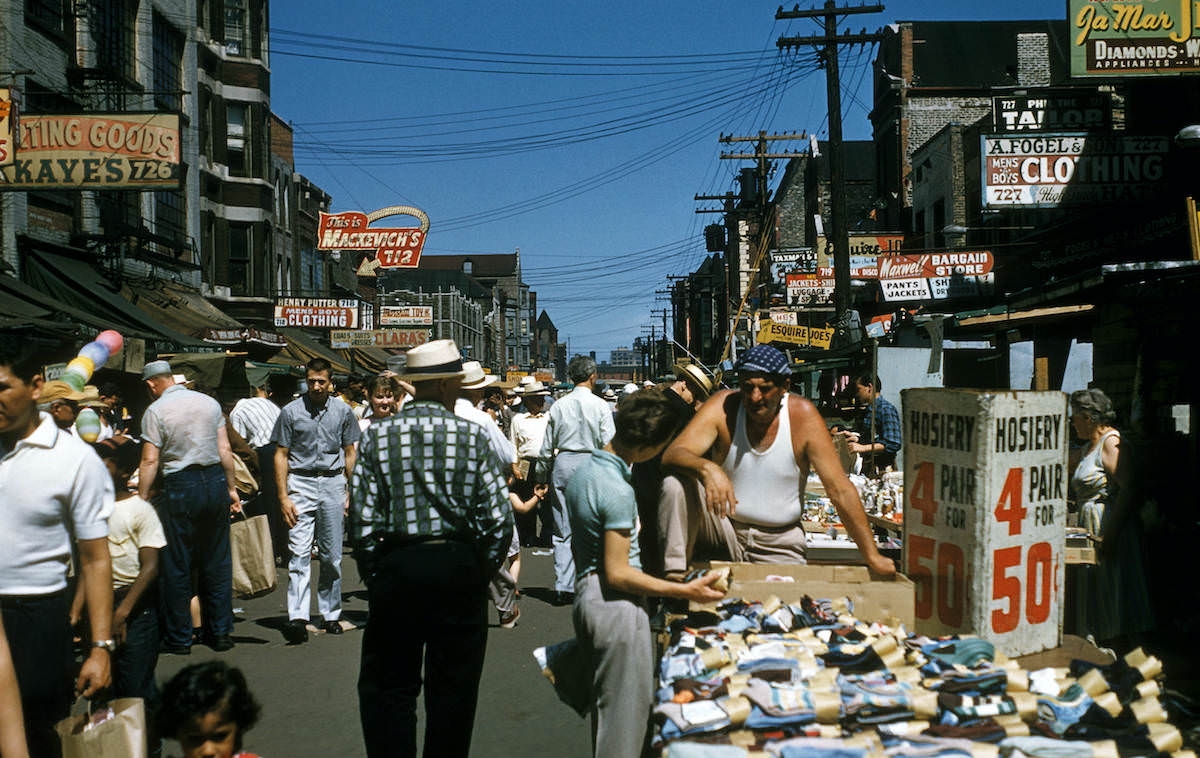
(686, 455)
(810, 435)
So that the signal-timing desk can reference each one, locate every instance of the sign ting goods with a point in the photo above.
(386, 247)
(985, 509)
(1113, 38)
(94, 151)
(316, 313)
(394, 338)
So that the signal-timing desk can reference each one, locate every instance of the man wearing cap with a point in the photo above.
(431, 522)
(61, 401)
(746, 499)
(690, 388)
(314, 438)
(185, 437)
(466, 407)
(57, 497)
(527, 432)
(579, 423)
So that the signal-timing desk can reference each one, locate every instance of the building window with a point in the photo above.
(46, 15)
(468, 266)
(239, 259)
(112, 25)
(120, 211)
(235, 27)
(168, 60)
(524, 327)
(236, 138)
(170, 214)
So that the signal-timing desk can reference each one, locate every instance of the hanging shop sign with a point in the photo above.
(405, 315)
(398, 247)
(936, 288)
(96, 151)
(809, 289)
(316, 313)
(239, 336)
(792, 260)
(783, 316)
(929, 265)
(1133, 37)
(52, 371)
(803, 336)
(9, 114)
(1052, 110)
(393, 338)
(1060, 169)
(864, 251)
(985, 514)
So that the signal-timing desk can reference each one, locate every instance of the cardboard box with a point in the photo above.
(886, 601)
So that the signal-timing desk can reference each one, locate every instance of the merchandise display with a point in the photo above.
(808, 679)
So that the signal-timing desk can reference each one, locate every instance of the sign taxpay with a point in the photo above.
(985, 508)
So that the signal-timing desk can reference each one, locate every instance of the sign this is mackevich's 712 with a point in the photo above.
(386, 247)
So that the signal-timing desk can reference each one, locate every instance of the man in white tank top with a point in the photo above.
(739, 470)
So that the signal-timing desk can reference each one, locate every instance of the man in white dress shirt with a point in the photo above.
(466, 407)
(527, 432)
(579, 423)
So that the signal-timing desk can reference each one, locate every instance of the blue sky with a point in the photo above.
(623, 103)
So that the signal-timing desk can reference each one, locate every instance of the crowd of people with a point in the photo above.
(435, 476)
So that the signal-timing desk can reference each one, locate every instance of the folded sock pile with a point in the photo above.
(808, 680)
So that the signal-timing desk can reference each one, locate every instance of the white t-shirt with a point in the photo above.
(133, 525)
(56, 489)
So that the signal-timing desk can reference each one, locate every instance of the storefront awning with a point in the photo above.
(22, 306)
(76, 283)
(301, 349)
(182, 310)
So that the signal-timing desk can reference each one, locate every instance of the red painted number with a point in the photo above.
(920, 548)
(922, 493)
(1038, 579)
(1009, 508)
(947, 587)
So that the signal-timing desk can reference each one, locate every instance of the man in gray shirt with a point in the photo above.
(185, 436)
(315, 438)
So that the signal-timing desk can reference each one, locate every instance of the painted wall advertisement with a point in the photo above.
(809, 289)
(405, 315)
(1054, 169)
(865, 250)
(792, 260)
(985, 512)
(95, 151)
(1052, 110)
(316, 313)
(1133, 37)
(802, 336)
(393, 338)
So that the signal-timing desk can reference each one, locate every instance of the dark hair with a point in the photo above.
(21, 358)
(319, 365)
(204, 688)
(122, 451)
(389, 382)
(1095, 405)
(580, 369)
(282, 386)
(109, 389)
(645, 418)
(868, 379)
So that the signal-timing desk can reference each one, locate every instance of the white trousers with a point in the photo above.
(319, 501)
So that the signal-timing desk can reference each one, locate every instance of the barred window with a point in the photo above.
(170, 214)
(168, 62)
(112, 24)
(235, 27)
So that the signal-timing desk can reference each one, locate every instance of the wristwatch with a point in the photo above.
(109, 645)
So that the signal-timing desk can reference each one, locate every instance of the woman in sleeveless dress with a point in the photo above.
(1116, 599)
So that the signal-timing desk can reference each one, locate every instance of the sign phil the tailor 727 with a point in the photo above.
(95, 151)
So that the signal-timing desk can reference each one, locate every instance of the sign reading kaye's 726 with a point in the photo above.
(1052, 169)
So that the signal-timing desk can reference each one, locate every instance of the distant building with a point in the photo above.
(623, 356)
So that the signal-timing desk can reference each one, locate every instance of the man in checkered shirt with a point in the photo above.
(430, 521)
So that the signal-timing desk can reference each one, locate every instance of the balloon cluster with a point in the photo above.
(87, 424)
(91, 356)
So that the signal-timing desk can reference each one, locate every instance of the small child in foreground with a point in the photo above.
(208, 709)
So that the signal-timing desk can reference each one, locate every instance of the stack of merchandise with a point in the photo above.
(808, 679)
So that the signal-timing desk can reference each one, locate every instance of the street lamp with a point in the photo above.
(1188, 136)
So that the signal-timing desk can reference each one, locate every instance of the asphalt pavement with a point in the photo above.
(308, 693)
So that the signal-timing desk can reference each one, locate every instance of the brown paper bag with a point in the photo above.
(122, 736)
(253, 557)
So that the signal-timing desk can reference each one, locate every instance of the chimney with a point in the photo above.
(1033, 59)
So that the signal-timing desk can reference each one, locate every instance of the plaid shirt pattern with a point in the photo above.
(428, 473)
(887, 426)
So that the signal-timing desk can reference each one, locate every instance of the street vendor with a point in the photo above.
(738, 485)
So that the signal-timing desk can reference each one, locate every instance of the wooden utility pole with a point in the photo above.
(828, 44)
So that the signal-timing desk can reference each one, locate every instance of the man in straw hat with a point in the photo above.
(527, 432)
(431, 522)
(467, 407)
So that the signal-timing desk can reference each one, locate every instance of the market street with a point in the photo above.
(310, 705)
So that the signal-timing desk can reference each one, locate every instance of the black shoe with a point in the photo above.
(296, 632)
(221, 643)
(175, 650)
(564, 598)
(333, 627)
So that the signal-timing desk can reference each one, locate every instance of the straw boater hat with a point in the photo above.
(438, 359)
(91, 398)
(523, 385)
(474, 378)
(536, 388)
(696, 379)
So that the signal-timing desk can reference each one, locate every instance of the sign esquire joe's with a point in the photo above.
(1133, 37)
(95, 151)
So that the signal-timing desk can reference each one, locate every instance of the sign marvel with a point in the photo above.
(391, 247)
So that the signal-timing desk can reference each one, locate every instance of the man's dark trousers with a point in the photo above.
(39, 636)
(428, 601)
(267, 502)
(194, 511)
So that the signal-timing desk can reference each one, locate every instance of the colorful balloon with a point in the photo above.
(75, 381)
(82, 366)
(111, 339)
(87, 424)
(96, 352)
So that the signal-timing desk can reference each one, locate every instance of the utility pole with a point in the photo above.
(828, 44)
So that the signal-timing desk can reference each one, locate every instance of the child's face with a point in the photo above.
(212, 735)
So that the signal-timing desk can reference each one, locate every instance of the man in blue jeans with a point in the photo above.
(185, 436)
